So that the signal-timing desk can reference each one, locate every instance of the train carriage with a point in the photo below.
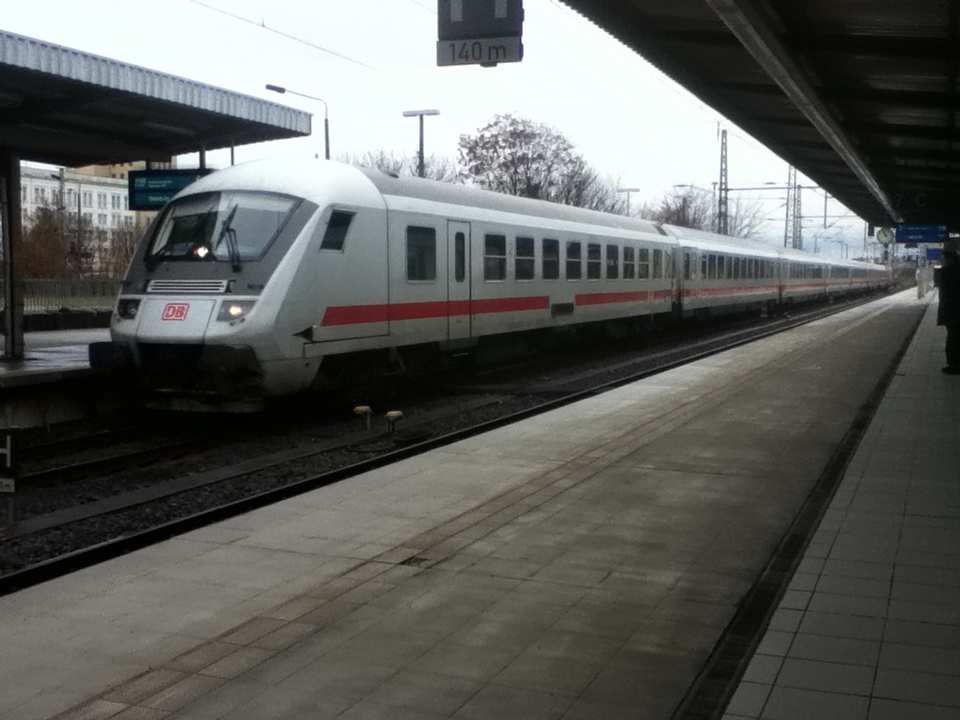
(267, 279)
(805, 276)
(724, 274)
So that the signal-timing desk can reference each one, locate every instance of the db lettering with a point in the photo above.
(175, 311)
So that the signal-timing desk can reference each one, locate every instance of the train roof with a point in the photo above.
(457, 194)
(309, 179)
(721, 243)
(313, 179)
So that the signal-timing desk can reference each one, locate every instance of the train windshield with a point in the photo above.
(225, 226)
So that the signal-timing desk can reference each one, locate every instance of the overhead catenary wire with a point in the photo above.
(266, 27)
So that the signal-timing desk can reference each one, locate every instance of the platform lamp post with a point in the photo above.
(628, 191)
(326, 114)
(420, 114)
(686, 197)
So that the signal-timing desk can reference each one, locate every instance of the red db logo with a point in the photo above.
(175, 311)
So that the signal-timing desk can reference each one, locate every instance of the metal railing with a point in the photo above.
(59, 295)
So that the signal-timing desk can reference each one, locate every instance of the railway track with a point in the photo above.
(144, 505)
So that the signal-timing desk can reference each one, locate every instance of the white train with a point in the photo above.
(267, 279)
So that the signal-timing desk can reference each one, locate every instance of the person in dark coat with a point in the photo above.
(948, 311)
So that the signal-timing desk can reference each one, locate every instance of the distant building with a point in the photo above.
(101, 201)
(96, 193)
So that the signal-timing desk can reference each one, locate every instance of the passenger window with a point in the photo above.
(736, 268)
(495, 257)
(336, 232)
(658, 263)
(460, 256)
(686, 265)
(524, 263)
(643, 264)
(421, 253)
(629, 260)
(713, 267)
(613, 262)
(703, 267)
(593, 261)
(574, 260)
(551, 259)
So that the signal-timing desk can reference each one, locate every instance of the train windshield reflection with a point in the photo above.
(223, 226)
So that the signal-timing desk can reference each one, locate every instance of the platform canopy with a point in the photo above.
(66, 107)
(862, 97)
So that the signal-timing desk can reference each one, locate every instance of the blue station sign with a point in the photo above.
(921, 233)
(152, 189)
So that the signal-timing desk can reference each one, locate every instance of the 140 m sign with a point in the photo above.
(481, 51)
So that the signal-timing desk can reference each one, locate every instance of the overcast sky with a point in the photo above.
(372, 59)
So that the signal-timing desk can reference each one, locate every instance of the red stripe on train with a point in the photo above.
(621, 297)
(701, 292)
(610, 298)
(360, 314)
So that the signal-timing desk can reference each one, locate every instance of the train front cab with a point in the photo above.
(216, 307)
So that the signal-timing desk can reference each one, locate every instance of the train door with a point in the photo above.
(782, 271)
(676, 270)
(458, 280)
(687, 276)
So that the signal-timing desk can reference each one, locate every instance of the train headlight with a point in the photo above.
(127, 308)
(234, 309)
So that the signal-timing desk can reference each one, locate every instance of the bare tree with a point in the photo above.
(745, 218)
(519, 157)
(436, 167)
(45, 247)
(120, 250)
(85, 242)
(686, 209)
(60, 244)
(697, 210)
(378, 159)
(585, 188)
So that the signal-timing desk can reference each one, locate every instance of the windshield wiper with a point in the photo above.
(233, 248)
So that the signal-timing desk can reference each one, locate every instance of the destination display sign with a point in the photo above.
(921, 233)
(152, 189)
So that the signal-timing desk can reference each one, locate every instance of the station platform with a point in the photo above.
(581, 564)
(49, 356)
(53, 382)
(869, 626)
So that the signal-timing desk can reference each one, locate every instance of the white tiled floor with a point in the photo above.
(870, 628)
